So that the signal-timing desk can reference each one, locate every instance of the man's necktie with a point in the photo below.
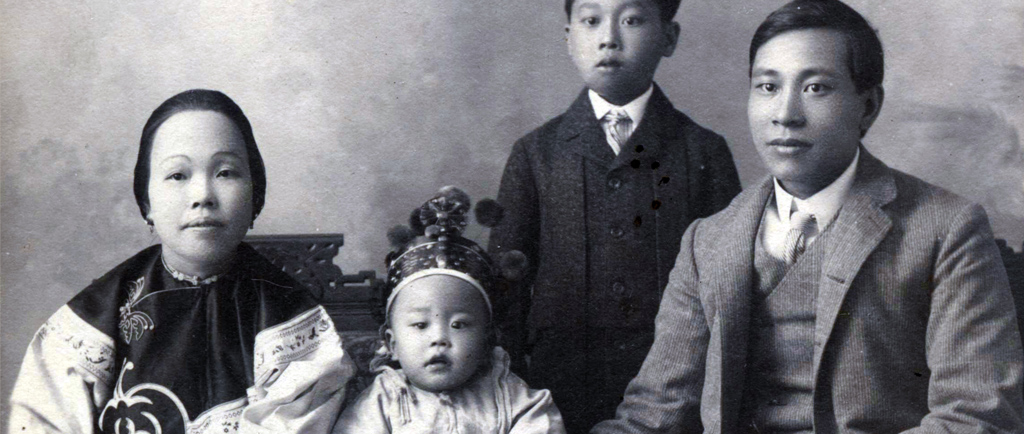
(802, 227)
(618, 126)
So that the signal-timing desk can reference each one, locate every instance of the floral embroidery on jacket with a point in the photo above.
(133, 322)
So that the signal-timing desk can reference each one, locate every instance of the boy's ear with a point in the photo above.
(671, 38)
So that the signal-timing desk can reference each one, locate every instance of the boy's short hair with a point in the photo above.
(666, 9)
(864, 50)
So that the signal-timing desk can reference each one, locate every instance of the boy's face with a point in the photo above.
(439, 330)
(617, 44)
(805, 113)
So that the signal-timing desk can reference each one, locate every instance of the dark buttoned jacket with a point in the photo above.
(601, 231)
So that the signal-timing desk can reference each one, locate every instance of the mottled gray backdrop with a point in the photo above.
(362, 109)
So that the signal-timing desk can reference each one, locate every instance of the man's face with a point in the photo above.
(617, 44)
(805, 113)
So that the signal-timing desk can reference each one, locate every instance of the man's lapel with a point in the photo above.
(858, 229)
(732, 278)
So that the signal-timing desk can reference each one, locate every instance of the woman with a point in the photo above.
(197, 334)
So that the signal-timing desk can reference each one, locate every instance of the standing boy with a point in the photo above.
(598, 199)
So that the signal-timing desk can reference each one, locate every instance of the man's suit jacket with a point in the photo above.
(915, 328)
(687, 169)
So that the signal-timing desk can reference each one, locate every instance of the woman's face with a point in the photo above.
(200, 190)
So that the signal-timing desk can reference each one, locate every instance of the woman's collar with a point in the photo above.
(195, 280)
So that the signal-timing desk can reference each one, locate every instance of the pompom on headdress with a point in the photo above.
(433, 245)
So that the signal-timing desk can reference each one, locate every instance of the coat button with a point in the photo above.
(614, 183)
(618, 288)
(616, 232)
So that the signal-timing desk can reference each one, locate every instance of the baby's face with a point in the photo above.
(439, 330)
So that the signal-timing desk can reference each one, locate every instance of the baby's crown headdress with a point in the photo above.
(433, 245)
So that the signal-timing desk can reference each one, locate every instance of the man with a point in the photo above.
(838, 295)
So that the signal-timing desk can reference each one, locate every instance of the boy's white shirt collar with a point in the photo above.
(635, 108)
(823, 205)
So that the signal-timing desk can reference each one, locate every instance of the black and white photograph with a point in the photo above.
(556, 216)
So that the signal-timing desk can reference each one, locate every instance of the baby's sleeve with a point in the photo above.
(532, 410)
(368, 413)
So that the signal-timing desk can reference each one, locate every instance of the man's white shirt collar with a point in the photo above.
(635, 108)
(823, 205)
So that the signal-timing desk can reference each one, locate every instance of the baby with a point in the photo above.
(453, 377)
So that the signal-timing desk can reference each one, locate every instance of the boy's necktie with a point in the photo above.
(802, 227)
(618, 126)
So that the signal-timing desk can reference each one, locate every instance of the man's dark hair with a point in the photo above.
(666, 9)
(863, 48)
(199, 100)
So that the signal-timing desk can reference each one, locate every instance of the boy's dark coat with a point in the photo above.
(601, 233)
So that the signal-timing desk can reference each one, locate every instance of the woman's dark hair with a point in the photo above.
(199, 100)
(864, 54)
